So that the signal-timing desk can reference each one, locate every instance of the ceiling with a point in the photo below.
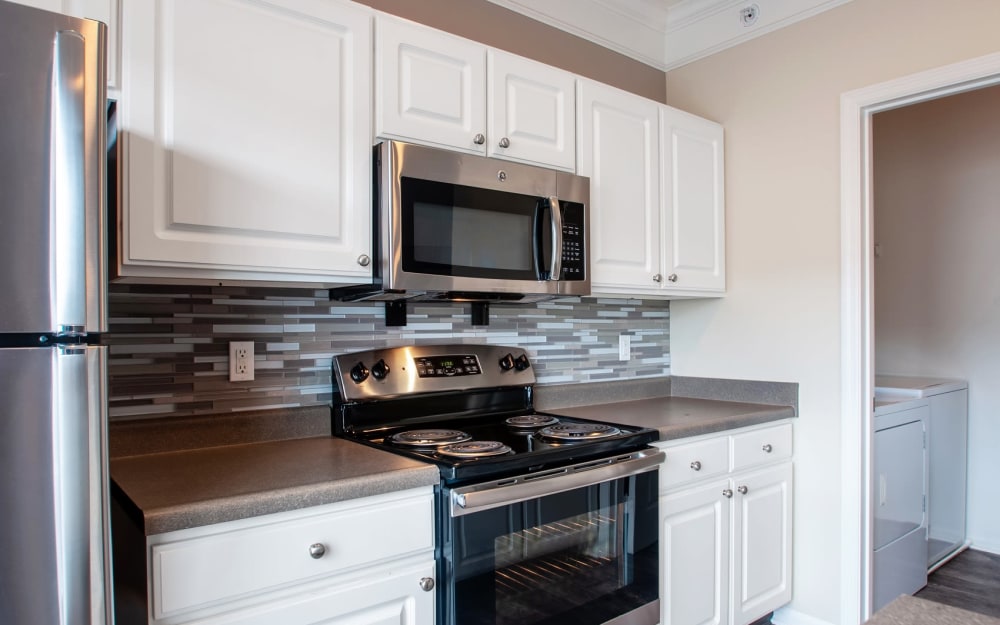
(668, 33)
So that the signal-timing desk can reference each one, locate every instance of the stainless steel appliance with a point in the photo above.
(458, 226)
(53, 494)
(541, 519)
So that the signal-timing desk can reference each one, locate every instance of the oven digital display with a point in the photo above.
(447, 366)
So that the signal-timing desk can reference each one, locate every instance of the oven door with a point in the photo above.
(577, 545)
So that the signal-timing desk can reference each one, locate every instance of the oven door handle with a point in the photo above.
(478, 497)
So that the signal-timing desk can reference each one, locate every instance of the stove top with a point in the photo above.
(466, 408)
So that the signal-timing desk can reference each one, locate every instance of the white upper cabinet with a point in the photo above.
(694, 203)
(246, 141)
(656, 194)
(445, 91)
(618, 150)
(106, 11)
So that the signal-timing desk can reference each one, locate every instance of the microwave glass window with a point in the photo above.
(469, 237)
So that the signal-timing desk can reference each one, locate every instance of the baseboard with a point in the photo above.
(787, 616)
(987, 546)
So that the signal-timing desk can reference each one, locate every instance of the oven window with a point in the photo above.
(584, 556)
(455, 230)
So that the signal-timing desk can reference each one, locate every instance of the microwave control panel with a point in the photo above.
(574, 257)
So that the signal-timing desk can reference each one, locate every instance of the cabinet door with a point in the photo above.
(617, 145)
(246, 140)
(695, 552)
(391, 599)
(101, 10)
(694, 205)
(762, 542)
(532, 111)
(430, 86)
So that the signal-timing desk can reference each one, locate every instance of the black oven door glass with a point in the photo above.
(455, 230)
(583, 556)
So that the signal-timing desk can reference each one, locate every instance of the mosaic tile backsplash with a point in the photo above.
(169, 345)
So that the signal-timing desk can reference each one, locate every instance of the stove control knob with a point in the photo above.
(380, 370)
(507, 362)
(521, 363)
(359, 373)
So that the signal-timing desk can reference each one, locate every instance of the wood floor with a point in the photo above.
(971, 581)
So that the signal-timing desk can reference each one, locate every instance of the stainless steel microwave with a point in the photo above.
(449, 225)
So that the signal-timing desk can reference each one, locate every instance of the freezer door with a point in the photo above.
(53, 493)
(52, 164)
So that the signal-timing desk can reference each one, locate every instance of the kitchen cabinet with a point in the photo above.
(658, 215)
(245, 141)
(442, 90)
(726, 517)
(349, 562)
(106, 11)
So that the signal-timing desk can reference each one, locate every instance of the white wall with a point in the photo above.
(778, 98)
(937, 283)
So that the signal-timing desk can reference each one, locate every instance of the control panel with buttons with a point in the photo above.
(574, 256)
(447, 366)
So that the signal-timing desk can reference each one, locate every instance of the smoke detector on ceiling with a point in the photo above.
(749, 15)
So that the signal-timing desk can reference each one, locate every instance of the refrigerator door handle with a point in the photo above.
(68, 192)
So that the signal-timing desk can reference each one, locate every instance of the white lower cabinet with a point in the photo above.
(367, 561)
(726, 539)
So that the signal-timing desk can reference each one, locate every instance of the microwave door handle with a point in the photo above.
(557, 238)
(537, 237)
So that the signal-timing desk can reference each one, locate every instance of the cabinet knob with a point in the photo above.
(728, 493)
(317, 551)
(427, 584)
(767, 448)
(657, 278)
(696, 465)
(505, 142)
(479, 139)
(364, 260)
(743, 490)
(672, 277)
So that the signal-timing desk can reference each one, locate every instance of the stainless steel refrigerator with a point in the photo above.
(54, 564)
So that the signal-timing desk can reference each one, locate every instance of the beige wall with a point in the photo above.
(937, 287)
(778, 98)
(496, 26)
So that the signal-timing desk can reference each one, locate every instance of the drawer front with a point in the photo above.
(762, 446)
(205, 571)
(694, 461)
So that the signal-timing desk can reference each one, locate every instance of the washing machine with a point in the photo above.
(947, 452)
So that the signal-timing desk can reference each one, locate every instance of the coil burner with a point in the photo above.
(531, 421)
(474, 449)
(429, 438)
(578, 432)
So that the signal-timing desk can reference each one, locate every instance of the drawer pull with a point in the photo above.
(728, 493)
(696, 465)
(427, 584)
(767, 448)
(743, 490)
(317, 551)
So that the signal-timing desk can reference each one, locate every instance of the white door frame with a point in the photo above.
(857, 311)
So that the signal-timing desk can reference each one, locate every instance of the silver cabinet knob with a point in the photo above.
(743, 490)
(364, 260)
(696, 465)
(728, 493)
(672, 277)
(657, 278)
(317, 551)
(479, 139)
(505, 142)
(427, 584)
(767, 448)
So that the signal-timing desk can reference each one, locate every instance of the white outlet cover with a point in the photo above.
(624, 347)
(240, 361)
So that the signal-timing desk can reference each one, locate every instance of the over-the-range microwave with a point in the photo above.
(456, 226)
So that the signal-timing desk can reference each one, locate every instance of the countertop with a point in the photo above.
(907, 610)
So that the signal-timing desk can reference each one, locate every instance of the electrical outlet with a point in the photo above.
(624, 347)
(240, 361)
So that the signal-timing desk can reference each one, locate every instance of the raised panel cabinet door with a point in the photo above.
(694, 204)
(762, 542)
(430, 86)
(532, 115)
(617, 146)
(246, 140)
(389, 597)
(695, 552)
